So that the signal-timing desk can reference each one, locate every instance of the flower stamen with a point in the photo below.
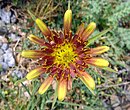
(64, 54)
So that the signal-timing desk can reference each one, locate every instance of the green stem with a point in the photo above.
(19, 81)
(69, 5)
(33, 17)
(55, 97)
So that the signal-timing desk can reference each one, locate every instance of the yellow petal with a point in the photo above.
(88, 31)
(36, 40)
(45, 30)
(32, 53)
(67, 21)
(97, 62)
(87, 80)
(35, 73)
(45, 85)
(97, 50)
(62, 89)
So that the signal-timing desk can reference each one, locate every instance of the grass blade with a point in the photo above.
(91, 40)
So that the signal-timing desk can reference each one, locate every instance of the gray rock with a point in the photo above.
(9, 50)
(11, 62)
(1, 52)
(5, 46)
(4, 66)
(1, 43)
(3, 28)
(2, 24)
(6, 16)
(13, 37)
(1, 58)
(8, 58)
(18, 73)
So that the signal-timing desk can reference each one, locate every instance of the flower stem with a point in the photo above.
(55, 96)
(68, 4)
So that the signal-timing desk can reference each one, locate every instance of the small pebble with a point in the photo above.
(17, 73)
(1, 52)
(1, 58)
(13, 37)
(9, 50)
(1, 43)
(4, 66)
(4, 47)
(9, 59)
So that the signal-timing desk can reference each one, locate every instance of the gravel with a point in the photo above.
(3, 28)
(1, 58)
(6, 58)
(1, 52)
(17, 73)
(9, 59)
(1, 44)
(4, 46)
(7, 16)
(13, 37)
(4, 66)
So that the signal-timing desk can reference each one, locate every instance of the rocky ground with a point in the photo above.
(10, 36)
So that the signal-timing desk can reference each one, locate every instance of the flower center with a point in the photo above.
(64, 55)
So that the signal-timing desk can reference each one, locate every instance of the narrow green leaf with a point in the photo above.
(26, 89)
(109, 69)
(19, 81)
(91, 40)
(33, 16)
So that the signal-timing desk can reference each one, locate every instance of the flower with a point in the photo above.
(64, 56)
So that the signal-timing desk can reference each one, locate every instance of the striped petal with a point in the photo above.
(98, 50)
(62, 89)
(36, 40)
(87, 80)
(80, 30)
(88, 31)
(97, 62)
(35, 73)
(45, 30)
(67, 21)
(32, 53)
(45, 85)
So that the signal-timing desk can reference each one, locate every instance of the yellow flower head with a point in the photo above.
(65, 56)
